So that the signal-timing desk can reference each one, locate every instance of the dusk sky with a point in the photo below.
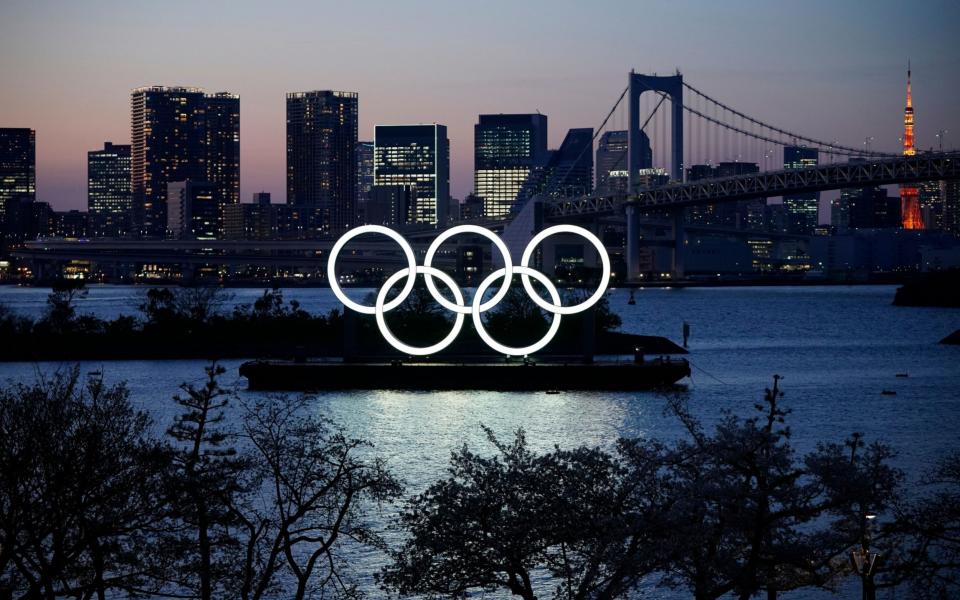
(831, 70)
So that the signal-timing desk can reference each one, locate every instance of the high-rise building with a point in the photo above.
(109, 198)
(950, 191)
(568, 172)
(321, 157)
(364, 171)
(802, 209)
(193, 211)
(223, 146)
(506, 150)
(18, 171)
(253, 221)
(910, 214)
(390, 205)
(417, 155)
(612, 175)
(181, 134)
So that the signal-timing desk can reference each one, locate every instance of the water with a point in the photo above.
(837, 348)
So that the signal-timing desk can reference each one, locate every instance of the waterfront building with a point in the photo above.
(611, 162)
(508, 148)
(322, 158)
(192, 210)
(417, 156)
(391, 205)
(364, 171)
(568, 172)
(252, 221)
(18, 170)
(181, 134)
(109, 197)
(802, 209)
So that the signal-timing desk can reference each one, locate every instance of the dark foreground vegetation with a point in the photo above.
(939, 289)
(264, 499)
(193, 322)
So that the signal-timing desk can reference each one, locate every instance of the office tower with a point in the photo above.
(471, 208)
(181, 134)
(419, 156)
(909, 194)
(321, 157)
(18, 172)
(611, 164)
(950, 191)
(364, 171)
(931, 204)
(568, 172)
(870, 208)
(802, 209)
(507, 149)
(109, 199)
(390, 205)
(254, 221)
(222, 112)
(193, 212)
(742, 214)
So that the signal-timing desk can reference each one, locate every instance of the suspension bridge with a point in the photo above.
(672, 127)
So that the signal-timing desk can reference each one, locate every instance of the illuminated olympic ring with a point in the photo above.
(477, 306)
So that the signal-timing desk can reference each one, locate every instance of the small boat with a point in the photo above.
(903, 374)
(632, 299)
(888, 393)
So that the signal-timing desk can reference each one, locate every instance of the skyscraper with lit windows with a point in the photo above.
(417, 155)
(109, 199)
(802, 210)
(18, 171)
(321, 157)
(507, 149)
(181, 134)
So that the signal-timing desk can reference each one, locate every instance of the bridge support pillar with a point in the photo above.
(679, 239)
(633, 243)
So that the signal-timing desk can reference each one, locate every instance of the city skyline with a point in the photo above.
(845, 87)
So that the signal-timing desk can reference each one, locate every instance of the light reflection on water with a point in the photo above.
(837, 347)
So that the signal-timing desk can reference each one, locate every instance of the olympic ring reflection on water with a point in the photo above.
(477, 306)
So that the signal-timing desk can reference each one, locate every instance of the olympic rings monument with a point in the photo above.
(417, 372)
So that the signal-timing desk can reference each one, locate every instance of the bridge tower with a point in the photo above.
(672, 86)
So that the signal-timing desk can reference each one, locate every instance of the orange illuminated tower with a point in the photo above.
(909, 196)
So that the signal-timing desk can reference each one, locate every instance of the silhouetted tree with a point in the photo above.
(313, 488)
(61, 304)
(206, 476)
(79, 482)
(584, 516)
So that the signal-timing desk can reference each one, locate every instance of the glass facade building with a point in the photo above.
(18, 159)
(181, 134)
(418, 156)
(109, 198)
(322, 157)
(802, 209)
(507, 149)
(611, 164)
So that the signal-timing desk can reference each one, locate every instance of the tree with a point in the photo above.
(584, 516)
(747, 509)
(313, 488)
(61, 304)
(79, 481)
(206, 476)
(920, 546)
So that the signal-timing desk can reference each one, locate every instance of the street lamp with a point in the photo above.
(864, 561)
(940, 135)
